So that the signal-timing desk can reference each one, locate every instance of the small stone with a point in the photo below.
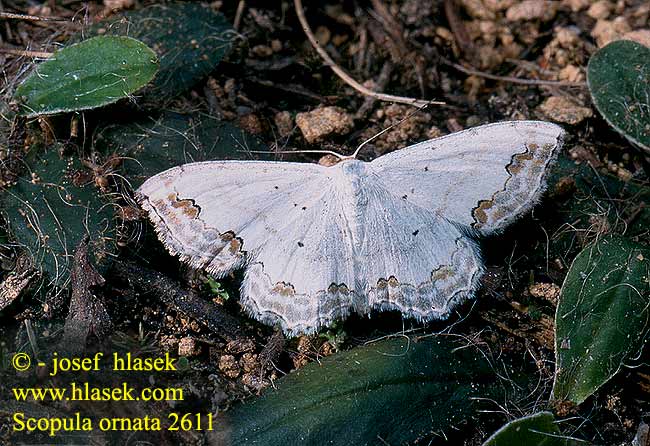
(249, 363)
(566, 37)
(262, 50)
(284, 123)
(571, 73)
(641, 36)
(116, 5)
(322, 122)
(561, 109)
(606, 31)
(251, 123)
(328, 160)
(188, 346)
(444, 33)
(323, 35)
(434, 132)
(228, 365)
(548, 291)
(276, 45)
(543, 10)
(577, 5)
(624, 174)
(499, 5)
(327, 349)
(168, 342)
(600, 10)
(478, 10)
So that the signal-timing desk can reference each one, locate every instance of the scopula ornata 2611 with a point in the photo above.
(317, 242)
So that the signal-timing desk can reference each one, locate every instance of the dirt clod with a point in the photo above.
(229, 366)
(324, 122)
(284, 123)
(600, 10)
(606, 31)
(561, 109)
(532, 10)
(188, 346)
(547, 291)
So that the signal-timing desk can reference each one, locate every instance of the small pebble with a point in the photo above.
(641, 36)
(322, 122)
(600, 10)
(561, 109)
(229, 366)
(606, 31)
(284, 123)
(188, 346)
(532, 10)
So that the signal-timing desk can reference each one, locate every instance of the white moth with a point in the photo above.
(319, 242)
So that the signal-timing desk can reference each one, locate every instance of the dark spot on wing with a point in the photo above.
(301, 244)
(416, 232)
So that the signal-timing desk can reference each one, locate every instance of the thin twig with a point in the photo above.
(345, 76)
(33, 18)
(26, 53)
(186, 301)
(238, 15)
(513, 80)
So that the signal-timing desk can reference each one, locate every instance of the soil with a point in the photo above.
(487, 60)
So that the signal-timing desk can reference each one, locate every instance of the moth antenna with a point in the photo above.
(411, 113)
(325, 152)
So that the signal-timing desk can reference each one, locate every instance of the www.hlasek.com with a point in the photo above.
(83, 391)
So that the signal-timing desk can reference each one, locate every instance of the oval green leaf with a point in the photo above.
(50, 211)
(618, 76)
(190, 40)
(394, 392)
(86, 75)
(156, 143)
(602, 316)
(538, 429)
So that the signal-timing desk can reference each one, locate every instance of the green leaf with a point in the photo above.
(190, 39)
(538, 429)
(86, 75)
(398, 390)
(152, 145)
(216, 289)
(49, 212)
(618, 76)
(594, 197)
(602, 316)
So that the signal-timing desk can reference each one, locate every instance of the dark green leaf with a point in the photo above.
(538, 429)
(602, 316)
(619, 81)
(397, 390)
(50, 211)
(87, 75)
(189, 38)
(154, 145)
